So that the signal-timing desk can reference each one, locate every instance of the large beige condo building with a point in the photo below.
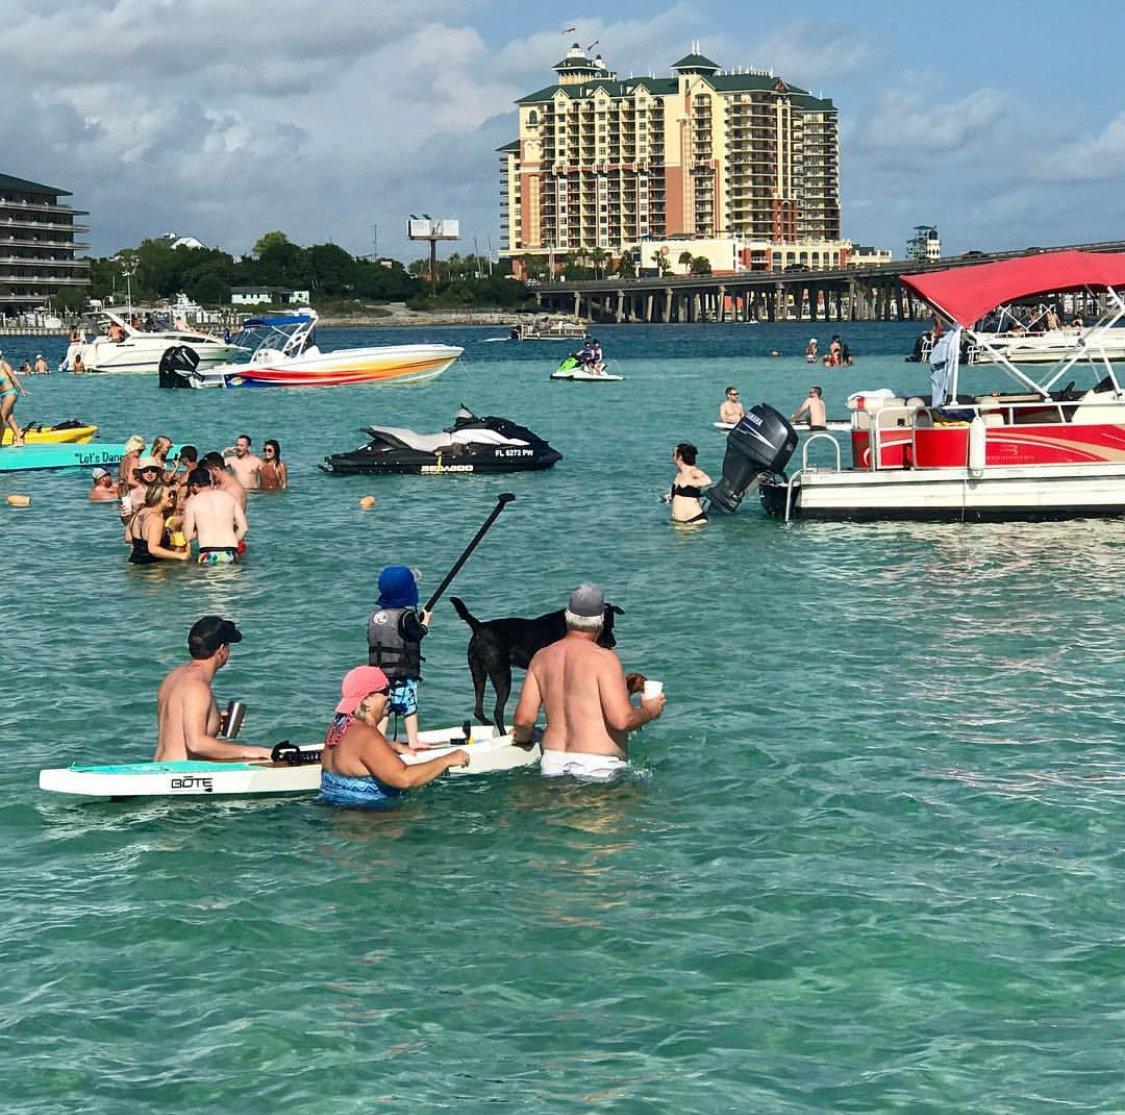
(608, 163)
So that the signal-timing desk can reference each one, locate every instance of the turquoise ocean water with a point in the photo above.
(871, 860)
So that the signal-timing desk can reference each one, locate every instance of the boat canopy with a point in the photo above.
(275, 322)
(966, 294)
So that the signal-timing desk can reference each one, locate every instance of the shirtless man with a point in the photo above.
(187, 717)
(245, 465)
(582, 687)
(103, 489)
(41, 366)
(223, 479)
(730, 409)
(814, 405)
(215, 517)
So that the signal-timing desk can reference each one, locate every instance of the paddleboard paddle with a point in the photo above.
(502, 501)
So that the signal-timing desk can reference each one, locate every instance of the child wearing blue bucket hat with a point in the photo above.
(395, 631)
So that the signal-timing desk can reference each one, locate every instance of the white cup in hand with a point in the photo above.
(652, 689)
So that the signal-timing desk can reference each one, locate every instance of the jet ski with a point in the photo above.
(471, 444)
(573, 369)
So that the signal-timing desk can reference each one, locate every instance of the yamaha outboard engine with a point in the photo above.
(761, 443)
(176, 366)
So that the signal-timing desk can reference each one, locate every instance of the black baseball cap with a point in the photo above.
(210, 633)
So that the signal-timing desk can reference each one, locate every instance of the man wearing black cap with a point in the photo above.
(582, 687)
(187, 717)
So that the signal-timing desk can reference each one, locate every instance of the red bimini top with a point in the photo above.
(966, 294)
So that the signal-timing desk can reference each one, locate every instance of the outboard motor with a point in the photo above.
(761, 443)
(176, 366)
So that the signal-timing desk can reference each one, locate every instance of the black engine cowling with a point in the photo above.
(177, 359)
(760, 444)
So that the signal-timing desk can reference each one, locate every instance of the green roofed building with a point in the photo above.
(604, 162)
(37, 245)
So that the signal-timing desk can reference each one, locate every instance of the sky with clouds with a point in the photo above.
(1001, 123)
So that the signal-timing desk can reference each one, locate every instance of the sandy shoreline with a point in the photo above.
(399, 316)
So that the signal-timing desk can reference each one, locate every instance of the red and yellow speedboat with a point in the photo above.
(285, 354)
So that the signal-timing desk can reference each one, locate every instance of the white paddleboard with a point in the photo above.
(836, 425)
(489, 752)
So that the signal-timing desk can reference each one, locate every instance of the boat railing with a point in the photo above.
(875, 445)
(822, 435)
(791, 481)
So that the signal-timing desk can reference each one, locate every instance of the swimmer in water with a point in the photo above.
(359, 768)
(688, 485)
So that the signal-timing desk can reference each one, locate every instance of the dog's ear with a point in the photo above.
(616, 610)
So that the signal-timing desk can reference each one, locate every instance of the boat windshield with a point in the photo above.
(290, 334)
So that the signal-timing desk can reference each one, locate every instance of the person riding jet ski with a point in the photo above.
(590, 356)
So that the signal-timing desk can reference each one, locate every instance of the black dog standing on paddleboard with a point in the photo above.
(499, 644)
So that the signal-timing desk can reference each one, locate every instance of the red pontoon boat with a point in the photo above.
(1043, 451)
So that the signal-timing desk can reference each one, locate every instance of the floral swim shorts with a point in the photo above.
(404, 696)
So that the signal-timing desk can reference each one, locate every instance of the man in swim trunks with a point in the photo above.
(582, 686)
(730, 409)
(187, 717)
(359, 768)
(815, 408)
(220, 478)
(245, 465)
(215, 518)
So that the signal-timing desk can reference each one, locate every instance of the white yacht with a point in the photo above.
(116, 346)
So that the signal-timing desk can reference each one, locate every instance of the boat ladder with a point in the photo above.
(822, 434)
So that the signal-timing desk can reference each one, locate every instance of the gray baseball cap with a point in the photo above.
(587, 600)
(98, 473)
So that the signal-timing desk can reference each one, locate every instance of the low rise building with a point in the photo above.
(267, 296)
(38, 245)
(733, 255)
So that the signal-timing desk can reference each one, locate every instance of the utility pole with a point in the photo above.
(476, 259)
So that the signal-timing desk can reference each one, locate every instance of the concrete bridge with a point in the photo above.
(855, 294)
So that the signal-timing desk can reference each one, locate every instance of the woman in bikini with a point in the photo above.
(10, 387)
(147, 533)
(688, 485)
(273, 476)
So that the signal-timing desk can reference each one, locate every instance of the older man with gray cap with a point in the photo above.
(582, 687)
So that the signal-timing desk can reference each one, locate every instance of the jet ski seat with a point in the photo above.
(433, 443)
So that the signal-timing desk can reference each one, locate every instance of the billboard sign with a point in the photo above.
(427, 229)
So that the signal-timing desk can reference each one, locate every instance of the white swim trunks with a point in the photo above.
(581, 765)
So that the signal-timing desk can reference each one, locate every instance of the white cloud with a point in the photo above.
(224, 118)
(1091, 159)
(808, 52)
(905, 127)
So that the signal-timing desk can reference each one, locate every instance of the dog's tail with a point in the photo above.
(464, 613)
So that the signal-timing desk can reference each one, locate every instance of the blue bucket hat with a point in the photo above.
(397, 588)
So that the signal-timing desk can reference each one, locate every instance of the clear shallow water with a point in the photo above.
(871, 860)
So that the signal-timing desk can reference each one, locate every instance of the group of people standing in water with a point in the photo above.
(166, 504)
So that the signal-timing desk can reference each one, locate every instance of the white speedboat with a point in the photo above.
(118, 347)
(284, 353)
(1043, 452)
